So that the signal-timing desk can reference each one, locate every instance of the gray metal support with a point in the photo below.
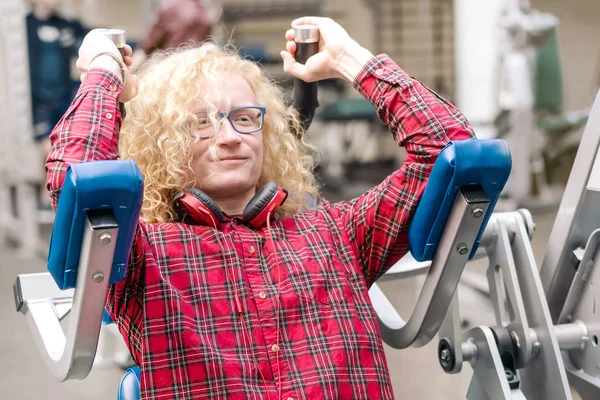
(70, 355)
(442, 277)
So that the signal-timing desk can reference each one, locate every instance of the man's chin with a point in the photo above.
(230, 187)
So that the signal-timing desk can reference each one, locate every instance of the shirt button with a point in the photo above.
(290, 398)
(275, 348)
(112, 87)
(262, 295)
(379, 72)
(251, 249)
(108, 116)
(413, 98)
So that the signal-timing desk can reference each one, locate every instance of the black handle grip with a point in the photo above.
(122, 105)
(305, 50)
(305, 93)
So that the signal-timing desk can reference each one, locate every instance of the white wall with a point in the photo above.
(476, 61)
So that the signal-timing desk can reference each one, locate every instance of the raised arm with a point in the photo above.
(377, 222)
(89, 131)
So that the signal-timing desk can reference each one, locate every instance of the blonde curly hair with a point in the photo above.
(157, 132)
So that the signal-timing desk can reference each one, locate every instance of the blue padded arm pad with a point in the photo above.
(115, 184)
(486, 163)
(129, 388)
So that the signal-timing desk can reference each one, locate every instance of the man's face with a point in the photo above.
(238, 168)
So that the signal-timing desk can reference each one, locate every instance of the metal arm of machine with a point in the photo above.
(442, 277)
(71, 356)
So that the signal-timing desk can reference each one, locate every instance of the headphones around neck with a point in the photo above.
(197, 207)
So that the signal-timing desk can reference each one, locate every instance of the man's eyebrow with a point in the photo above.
(240, 105)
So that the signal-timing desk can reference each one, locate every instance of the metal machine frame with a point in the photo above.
(546, 337)
(71, 356)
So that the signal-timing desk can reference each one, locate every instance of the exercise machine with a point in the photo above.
(99, 209)
(546, 337)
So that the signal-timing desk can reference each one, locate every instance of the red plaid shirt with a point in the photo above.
(176, 309)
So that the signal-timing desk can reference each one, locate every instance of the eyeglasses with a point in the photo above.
(244, 120)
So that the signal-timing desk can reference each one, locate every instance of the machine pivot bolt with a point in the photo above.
(105, 238)
(478, 212)
(98, 277)
(446, 355)
(537, 346)
(462, 249)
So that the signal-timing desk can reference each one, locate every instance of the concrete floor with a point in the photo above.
(416, 373)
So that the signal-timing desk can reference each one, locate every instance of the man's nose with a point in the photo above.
(227, 135)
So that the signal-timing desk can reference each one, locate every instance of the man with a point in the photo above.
(232, 289)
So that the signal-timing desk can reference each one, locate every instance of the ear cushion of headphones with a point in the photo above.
(261, 204)
(199, 207)
(207, 201)
(259, 201)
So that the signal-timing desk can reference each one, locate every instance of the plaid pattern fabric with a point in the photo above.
(177, 308)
